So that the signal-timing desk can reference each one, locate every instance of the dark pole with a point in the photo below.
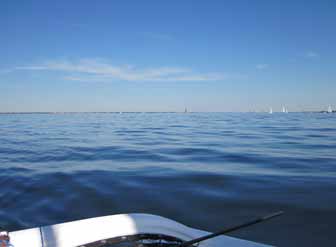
(231, 229)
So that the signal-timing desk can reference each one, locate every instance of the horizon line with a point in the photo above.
(120, 112)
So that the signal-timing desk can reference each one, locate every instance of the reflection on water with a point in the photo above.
(206, 170)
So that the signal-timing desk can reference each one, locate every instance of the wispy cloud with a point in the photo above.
(158, 36)
(262, 66)
(97, 70)
(6, 71)
(311, 54)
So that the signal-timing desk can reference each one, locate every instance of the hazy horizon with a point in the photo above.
(117, 112)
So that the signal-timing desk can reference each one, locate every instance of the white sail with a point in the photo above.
(284, 110)
(329, 109)
(271, 110)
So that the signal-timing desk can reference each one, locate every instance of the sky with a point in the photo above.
(154, 55)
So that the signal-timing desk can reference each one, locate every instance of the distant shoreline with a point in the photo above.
(114, 112)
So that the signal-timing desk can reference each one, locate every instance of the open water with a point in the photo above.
(205, 170)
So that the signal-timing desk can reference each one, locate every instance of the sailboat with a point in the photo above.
(330, 110)
(284, 110)
(271, 111)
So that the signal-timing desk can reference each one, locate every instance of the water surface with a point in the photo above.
(206, 170)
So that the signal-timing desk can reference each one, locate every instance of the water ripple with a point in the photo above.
(207, 170)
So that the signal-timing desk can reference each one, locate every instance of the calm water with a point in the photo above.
(206, 170)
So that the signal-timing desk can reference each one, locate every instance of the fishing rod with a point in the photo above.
(230, 229)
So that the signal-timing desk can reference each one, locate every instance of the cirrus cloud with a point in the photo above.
(311, 54)
(262, 66)
(97, 70)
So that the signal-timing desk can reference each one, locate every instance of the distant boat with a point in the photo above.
(271, 111)
(185, 110)
(284, 110)
(330, 110)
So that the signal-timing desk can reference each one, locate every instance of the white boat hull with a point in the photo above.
(81, 232)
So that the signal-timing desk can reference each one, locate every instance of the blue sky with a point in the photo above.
(167, 55)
